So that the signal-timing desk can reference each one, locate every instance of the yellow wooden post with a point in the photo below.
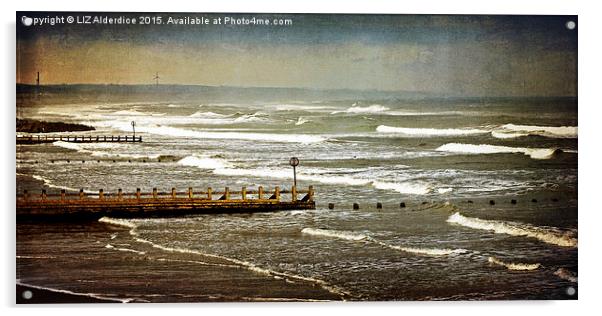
(227, 193)
(119, 194)
(81, 194)
(62, 194)
(154, 193)
(209, 193)
(243, 193)
(310, 193)
(173, 193)
(260, 192)
(294, 193)
(138, 193)
(101, 194)
(277, 193)
(190, 195)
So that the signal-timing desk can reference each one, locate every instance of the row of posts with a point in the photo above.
(155, 194)
(84, 138)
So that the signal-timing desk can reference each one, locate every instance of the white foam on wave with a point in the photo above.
(225, 168)
(547, 131)
(187, 133)
(405, 188)
(374, 108)
(546, 234)
(136, 113)
(566, 275)
(103, 149)
(336, 234)
(205, 162)
(354, 236)
(208, 115)
(534, 153)
(50, 184)
(241, 263)
(109, 246)
(429, 132)
(301, 120)
(515, 266)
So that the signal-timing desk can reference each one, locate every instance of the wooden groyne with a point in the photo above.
(41, 139)
(84, 205)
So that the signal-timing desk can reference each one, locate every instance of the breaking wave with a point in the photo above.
(353, 236)
(534, 153)
(549, 235)
(514, 131)
(225, 168)
(186, 133)
(374, 108)
(515, 266)
(429, 132)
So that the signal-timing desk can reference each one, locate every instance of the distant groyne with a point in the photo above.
(41, 139)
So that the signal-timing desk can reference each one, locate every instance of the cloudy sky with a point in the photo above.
(443, 55)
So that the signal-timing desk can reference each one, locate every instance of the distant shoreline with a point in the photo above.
(35, 126)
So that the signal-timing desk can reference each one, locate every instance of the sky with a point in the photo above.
(436, 54)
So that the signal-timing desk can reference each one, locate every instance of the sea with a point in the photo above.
(478, 195)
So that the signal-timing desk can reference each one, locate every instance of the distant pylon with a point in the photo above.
(156, 78)
(38, 80)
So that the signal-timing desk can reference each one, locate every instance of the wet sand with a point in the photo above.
(101, 262)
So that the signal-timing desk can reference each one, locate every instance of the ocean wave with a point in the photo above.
(515, 266)
(248, 265)
(534, 153)
(225, 168)
(374, 108)
(50, 184)
(181, 132)
(566, 275)
(109, 246)
(429, 132)
(301, 120)
(136, 113)
(549, 235)
(95, 149)
(354, 236)
(513, 130)
(208, 115)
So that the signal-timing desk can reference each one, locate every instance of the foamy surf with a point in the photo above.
(354, 236)
(512, 131)
(225, 168)
(515, 266)
(566, 275)
(241, 263)
(374, 108)
(266, 137)
(429, 132)
(548, 234)
(103, 150)
(534, 153)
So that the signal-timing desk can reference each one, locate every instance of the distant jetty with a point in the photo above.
(41, 139)
(35, 126)
(70, 206)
